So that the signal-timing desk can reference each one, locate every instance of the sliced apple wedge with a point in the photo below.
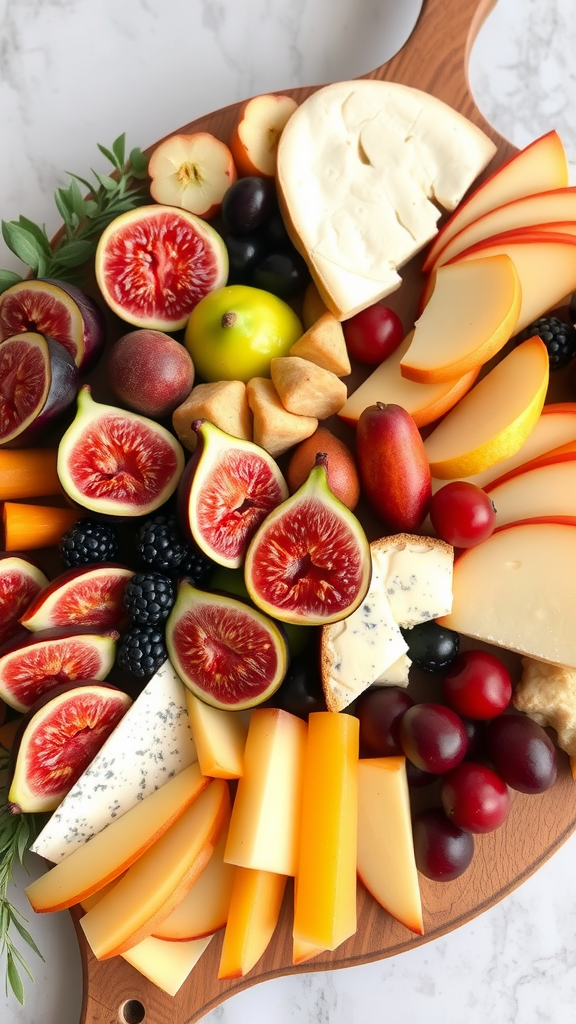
(192, 172)
(254, 140)
(254, 911)
(539, 167)
(547, 489)
(555, 429)
(529, 211)
(159, 880)
(424, 402)
(110, 852)
(494, 419)
(386, 862)
(518, 590)
(470, 316)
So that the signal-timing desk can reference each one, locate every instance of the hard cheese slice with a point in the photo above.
(166, 964)
(151, 744)
(363, 161)
(417, 573)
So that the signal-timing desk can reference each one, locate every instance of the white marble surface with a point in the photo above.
(73, 72)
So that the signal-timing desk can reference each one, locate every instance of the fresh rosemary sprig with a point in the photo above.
(84, 218)
(17, 832)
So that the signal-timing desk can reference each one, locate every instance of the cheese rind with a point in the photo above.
(151, 744)
(362, 161)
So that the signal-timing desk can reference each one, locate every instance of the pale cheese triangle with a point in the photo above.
(360, 167)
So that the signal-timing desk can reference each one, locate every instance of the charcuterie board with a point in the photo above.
(434, 59)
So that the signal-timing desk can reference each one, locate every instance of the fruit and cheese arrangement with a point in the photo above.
(270, 553)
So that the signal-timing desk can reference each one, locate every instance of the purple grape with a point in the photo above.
(522, 753)
(433, 737)
(442, 850)
(380, 712)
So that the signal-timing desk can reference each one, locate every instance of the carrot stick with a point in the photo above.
(28, 473)
(35, 526)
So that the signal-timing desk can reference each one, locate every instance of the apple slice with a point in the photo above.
(110, 852)
(547, 489)
(529, 211)
(159, 880)
(555, 428)
(494, 419)
(424, 402)
(545, 262)
(254, 140)
(539, 167)
(516, 590)
(252, 918)
(192, 172)
(205, 908)
(386, 862)
(469, 318)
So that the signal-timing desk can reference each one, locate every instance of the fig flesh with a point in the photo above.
(310, 561)
(227, 489)
(57, 740)
(226, 652)
(154, 264)
(59, 311)
(117, 462)
(20, 583)
(32, 665)
(38, 381)
(86, 596)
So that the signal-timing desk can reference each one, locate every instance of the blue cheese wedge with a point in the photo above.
(152, 743)
(363, 168)
(411, 583)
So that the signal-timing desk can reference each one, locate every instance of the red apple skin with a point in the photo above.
(393, 467)
(150, 372)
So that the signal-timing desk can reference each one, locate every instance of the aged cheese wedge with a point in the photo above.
(548, 489)
(424, 402)
(363, 161)
(152, 743)
(93, 865)
(159, 880)
(265, 828)
(166, 964)
(254, 911)
(220, 737)
(386, 862)
(518, 590)
(325, 904)
(469, 318)
(417, 574)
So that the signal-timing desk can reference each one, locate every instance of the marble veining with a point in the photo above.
(74, 72)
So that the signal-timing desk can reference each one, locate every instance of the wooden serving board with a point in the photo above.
(435, 60)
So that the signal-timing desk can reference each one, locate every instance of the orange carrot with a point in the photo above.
(28, 473)
(35, 526)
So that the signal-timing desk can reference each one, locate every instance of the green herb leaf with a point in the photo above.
(74, 253)
(119, 147)
(25, 934)
(22, 243)
(39, 233)
(13, 978)
(108, 154)
(7, 279)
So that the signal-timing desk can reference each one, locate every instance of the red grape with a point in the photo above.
(442, 850)
(477, 685)
(433, 737)
(373, 334)
(474, 797)
(522, 753)
(379, 712)
(462, 514)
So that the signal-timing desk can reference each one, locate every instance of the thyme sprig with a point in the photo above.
(84, 218)
(17, 832)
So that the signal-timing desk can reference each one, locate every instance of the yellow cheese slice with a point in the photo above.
(166, 964)
(220, 737)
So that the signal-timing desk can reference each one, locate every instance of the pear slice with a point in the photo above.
(307, 389)
(324, 344)
(224, 403)
(275, 429)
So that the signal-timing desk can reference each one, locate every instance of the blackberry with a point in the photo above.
(161, 544)
(558, 336)
(88, 541)
(141, 651)
(148, 597)
(195, 566)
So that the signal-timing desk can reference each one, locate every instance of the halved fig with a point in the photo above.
(154, 264)
(227, 489)
(38, 381)
(59, 311)
(310, 560)
(20, 582)
(57, 740)
(117, 462)
(90, 595)
(32, 665)
(226, 652)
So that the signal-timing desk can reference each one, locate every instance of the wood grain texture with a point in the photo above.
(434, 59)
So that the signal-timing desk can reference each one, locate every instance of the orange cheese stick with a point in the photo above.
(28, 473)
(325, 906)
(27, 527)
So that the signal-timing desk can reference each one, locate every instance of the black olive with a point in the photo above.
(431, 647)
